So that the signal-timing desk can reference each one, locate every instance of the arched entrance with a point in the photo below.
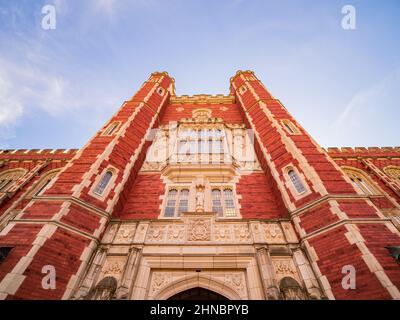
(198, 294)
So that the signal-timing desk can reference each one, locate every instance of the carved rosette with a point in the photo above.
(199, 230)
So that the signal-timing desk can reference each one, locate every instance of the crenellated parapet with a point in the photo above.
(369, 152)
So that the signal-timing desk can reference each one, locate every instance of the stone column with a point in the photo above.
(307, 274)
(267, 273)
(129, 274)
(92, 273)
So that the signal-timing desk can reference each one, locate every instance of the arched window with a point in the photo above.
(297, 183)
(360, 181)
(8, 178)
(216, 201)
(183, 201)
(103, 183)
(393, 172)
(111, 129)
(43, 183)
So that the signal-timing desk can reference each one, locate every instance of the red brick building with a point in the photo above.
(200, 196)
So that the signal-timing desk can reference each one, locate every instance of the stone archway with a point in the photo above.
(198, 294)
(197, 281)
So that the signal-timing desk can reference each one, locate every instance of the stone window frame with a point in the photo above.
(178, 188)
(192, 199)
(223, 186)
(112, 129)
(109, 186)
(242, 89)
(393, 172)
(368, 186)
(9, 177)
(43, 183)
(289, 184)
(290, 127)
(160, 91)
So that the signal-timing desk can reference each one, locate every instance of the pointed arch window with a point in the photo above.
(104, 181)
(393, 172)
(296, 181)
(43, 183)
(360, 181)
(8, 178)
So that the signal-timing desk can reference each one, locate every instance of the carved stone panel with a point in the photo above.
(156, 233)
(285, 268)
(113, 267)
(273, 233)
(125, 234)
(199, 229)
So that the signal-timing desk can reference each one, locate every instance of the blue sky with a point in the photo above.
(58, 87)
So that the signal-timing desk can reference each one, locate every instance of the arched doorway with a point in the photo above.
(198, 294)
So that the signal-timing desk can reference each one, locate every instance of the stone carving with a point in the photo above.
(273, 233)
(200, 195)
(199, 230)
(176, 233)
(222, 233)
(156, 233)
(242, 233)
(113, 267)
(284, 267)
(125, 234)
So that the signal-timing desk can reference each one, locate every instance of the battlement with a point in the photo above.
(20, 154)
(203, 99)
(364, 152)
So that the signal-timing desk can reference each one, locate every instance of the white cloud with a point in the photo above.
(10, 107)
(386, 91)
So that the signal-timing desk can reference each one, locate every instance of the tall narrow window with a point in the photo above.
(171, 203)
(4, 252)
(110, 130)
(183, 201)
(103, 183)
(288, 128)
(229, 203)
(216, 201)
(297, 183)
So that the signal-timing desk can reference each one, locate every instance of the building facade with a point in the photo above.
(184, 197)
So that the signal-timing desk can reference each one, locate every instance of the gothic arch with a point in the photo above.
(393, 172)
(368, 187)
(194, 281)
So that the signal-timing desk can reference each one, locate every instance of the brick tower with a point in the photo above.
(219, 196)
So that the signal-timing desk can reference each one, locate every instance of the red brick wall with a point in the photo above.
(144, 201)
(258, 198)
